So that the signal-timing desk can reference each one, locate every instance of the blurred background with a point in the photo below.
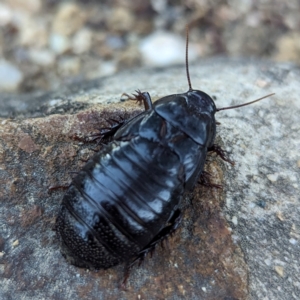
(48, 43)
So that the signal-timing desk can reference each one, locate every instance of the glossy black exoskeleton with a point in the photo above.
(127, 198)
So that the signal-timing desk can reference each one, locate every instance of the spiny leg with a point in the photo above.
(58, 187)
(220, 152)
(106, 133)
(204, 180)
(141, 97)
(159, 238)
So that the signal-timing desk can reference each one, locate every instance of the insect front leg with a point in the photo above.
(140, 97)
(105, 134)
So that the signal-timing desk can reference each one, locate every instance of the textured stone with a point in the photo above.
(209, 257)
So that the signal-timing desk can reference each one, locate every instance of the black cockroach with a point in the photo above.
(126, 199)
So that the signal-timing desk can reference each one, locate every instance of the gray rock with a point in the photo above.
(241, 242)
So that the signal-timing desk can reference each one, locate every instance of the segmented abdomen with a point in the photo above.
(119, 201)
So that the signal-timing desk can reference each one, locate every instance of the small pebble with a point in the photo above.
(6, 15)
(279, 270)
(59, 43)
(268, 262)
(10, 76)
(280, 216)
(31, 6)
(44, 57)
(164, 48)
(69, 18)
(32, 35)
(15, 243)
(288, 47)
(234, 220)
(82, 41)
(115, 42)
(69, 66)
(121, 20)
(261, 83)
(273, 177)
(103, 68)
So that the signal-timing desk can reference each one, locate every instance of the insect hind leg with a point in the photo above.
(204, 180)
(173, 224)
(220, 152)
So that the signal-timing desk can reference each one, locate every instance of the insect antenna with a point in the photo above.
(187, 58)
(244, 104)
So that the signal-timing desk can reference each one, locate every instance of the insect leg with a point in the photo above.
(106, 133)
(220, 152)
(140, 97)
(58, 187)
(173, 224)
(205, 180)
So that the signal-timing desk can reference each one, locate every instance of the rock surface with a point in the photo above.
(241, 242)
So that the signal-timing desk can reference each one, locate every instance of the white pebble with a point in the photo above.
(42, 57)
(15, 243)
(59, 43)
(69, 18)
(10, 76)
(6, 15)
(163, 48)
(104, 68)
(273, 177)
(234, 220)
(82, 41)
(69, 66)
